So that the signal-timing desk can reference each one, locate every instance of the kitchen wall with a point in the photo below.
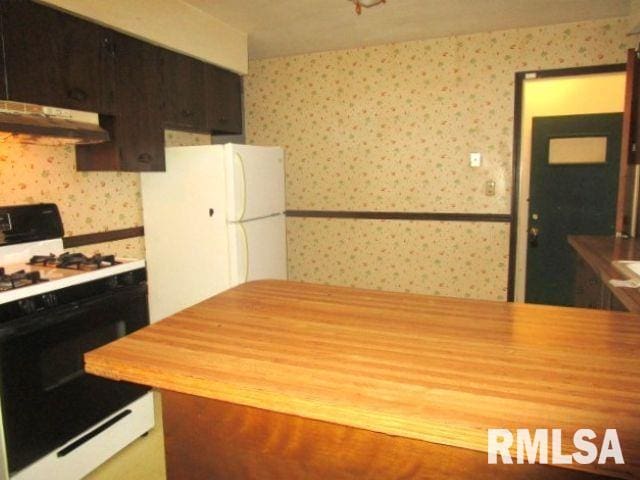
(89, 202)
(390, 128)
(634, 15)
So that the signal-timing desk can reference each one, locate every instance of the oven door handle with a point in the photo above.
(93, 433)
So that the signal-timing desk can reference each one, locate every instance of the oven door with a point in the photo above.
(46, 396)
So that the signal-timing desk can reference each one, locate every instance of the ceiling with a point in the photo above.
(287, 27)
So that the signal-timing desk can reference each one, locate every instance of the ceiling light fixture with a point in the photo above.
(365, 3)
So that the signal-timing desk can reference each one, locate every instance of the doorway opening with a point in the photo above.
(565, 94)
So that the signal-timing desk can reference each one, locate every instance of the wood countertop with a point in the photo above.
(599, 251)
(436, 369)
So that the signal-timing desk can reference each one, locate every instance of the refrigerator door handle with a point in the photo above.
(240, 162)
(245, 242)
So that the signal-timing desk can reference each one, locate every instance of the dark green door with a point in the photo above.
(568, 196)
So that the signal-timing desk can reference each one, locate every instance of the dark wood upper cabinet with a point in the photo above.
(223, 100)
(139, 131)
(137, 128)
(55, 59)
(183, 91)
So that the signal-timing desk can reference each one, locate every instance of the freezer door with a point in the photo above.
(258, 250)
(255, 181)
(185, 229)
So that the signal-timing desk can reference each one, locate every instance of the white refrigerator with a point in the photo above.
(213, 220)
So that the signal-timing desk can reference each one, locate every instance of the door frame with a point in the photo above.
(520, 78)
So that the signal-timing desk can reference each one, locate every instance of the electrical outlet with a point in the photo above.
(490, 188)
(475, 160)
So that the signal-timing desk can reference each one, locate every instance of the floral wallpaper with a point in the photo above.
(391, 127)
(89, 202)
(401, 256)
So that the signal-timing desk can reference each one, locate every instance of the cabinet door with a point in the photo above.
(616, 305)
(223, 100)
(138, 130)
(55, 59)
(183, 91)
(588, 287)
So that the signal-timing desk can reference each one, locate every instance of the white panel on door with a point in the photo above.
(256, 181)
(258, 250)
(186, 243)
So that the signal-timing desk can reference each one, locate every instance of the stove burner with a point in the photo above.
(19, 279)
(43, 260)
(74, 261)
(80, 261)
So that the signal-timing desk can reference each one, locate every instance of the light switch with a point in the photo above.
(475, 160)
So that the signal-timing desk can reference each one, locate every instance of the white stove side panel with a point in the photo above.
(186, 246)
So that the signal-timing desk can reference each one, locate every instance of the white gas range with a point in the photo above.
(57, 421)
(35, 268)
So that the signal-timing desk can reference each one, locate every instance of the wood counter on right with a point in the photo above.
(594, 269)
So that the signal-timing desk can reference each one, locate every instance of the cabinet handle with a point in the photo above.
(187, 113)
(77, 94)
(145, 158)
(109, 46)
(224, 119)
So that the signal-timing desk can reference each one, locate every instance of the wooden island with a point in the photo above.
(284, 380)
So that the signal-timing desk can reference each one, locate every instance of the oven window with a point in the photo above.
(63, 361)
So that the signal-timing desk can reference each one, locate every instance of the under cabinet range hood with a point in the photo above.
(34, 124)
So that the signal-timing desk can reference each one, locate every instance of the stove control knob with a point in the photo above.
(127, 278)
(111, 282)
(27, 305)
(49, 300)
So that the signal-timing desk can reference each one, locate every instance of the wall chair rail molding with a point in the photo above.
(425, 216)
(102, 237)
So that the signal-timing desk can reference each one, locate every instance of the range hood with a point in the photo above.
(34, 124)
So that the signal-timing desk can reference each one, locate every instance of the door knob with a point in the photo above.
(533, 236)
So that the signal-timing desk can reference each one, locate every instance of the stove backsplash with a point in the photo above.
(89, 202)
